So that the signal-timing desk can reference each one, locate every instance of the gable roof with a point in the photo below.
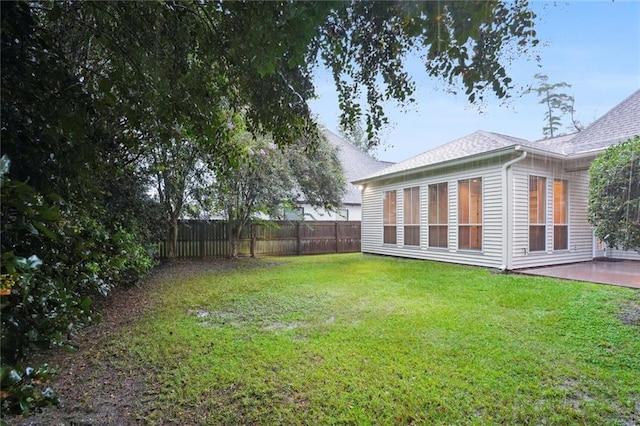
(562, 145)
(617, 125)
(356, 165)
(476, 143)
(620, 123)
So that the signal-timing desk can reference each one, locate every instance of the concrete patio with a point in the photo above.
(624, 273)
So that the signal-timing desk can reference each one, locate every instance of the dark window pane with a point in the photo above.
(537, 238)
(470, 237)
(412, 235)
(389, 234)
(438, 236)
(560, 237)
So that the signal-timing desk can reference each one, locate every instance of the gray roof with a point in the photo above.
(617, 125)
(562, 145)
(356, 165)
(476, 143)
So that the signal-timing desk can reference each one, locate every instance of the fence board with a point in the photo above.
(208, 238)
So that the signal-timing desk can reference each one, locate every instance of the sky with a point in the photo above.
(592, 45)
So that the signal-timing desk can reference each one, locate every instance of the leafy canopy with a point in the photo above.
(93, 92)
(614, 195)
(179, 57)
(271, 180)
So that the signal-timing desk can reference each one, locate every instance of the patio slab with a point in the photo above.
(624, 273)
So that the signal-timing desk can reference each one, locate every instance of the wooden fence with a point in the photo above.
(208, 238)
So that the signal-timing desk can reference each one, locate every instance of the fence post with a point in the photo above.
(201, 232)
(298, 244)
(336, 235)
(253, 240)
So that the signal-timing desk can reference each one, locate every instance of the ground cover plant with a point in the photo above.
(355, 339)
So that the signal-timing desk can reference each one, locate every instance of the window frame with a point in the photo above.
(537, 232)
(561, 216)
(470, 221)
(411, 216)
(390, 217)
(441, 220)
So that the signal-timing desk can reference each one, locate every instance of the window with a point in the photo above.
(412, 216)
(470, 214)
(389, 217)
(560, 215)
(438, 215)
(537, 213)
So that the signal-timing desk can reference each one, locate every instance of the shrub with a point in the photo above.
(614, 195)
(55, 260)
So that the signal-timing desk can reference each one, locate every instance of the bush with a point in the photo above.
(23, 389)
(614, 195)
(55, 260)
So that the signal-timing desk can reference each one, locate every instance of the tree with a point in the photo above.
(318, 173)
(75, 218)
(557, 105)
(270, 179)
(92, 90)
(365, 43)
(178, 169)
(262, 54)
(356, 135)
(614, 195)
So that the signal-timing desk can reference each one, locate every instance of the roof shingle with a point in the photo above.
(355, 163)
(620, 123)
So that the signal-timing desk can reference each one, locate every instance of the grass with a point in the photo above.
(353, 339)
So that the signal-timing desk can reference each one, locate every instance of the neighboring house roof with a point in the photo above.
(617, 125)
(356, 164)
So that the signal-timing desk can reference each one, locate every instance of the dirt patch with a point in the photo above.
(94, 384)
(630, 314)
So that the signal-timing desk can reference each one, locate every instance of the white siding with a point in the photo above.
(489, 256)
(580, 234)
(624, 255)
(424, 215)
(400, 215)
(371, 218)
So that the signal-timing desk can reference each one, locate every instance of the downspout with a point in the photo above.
(506, 211)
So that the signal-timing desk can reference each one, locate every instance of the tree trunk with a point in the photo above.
(173, 238)
(232, 244)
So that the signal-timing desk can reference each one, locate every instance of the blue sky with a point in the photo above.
(592, 45)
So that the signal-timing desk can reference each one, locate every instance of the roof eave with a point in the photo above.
(587, 154)
(449, 163)
(544, 153)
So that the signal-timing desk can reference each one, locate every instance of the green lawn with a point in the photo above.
(353, 339)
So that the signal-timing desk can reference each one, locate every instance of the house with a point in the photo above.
(356, 164)
(493, 200)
